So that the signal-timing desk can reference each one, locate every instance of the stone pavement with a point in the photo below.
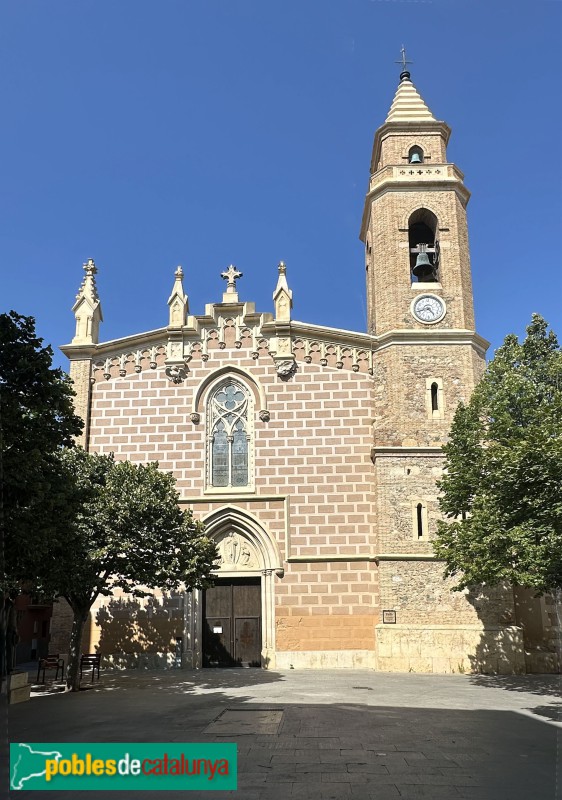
(327, 734)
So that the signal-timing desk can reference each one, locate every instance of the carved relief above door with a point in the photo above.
(236, 553)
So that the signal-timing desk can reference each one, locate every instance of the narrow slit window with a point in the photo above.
(434, 397)
(419, 519)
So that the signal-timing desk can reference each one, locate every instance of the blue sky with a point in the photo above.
(204, 132)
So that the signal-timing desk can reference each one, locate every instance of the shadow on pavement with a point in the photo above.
(545, 685)
(330, 751)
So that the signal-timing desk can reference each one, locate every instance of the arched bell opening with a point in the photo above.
(415, 155)
(424, 247)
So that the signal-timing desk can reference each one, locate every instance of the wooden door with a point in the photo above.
(232, 623)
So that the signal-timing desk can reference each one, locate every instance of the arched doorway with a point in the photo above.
(235, 619)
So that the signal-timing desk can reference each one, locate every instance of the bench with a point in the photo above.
(92, 660)
(50, 662)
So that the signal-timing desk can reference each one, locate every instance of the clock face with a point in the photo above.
(428, 308)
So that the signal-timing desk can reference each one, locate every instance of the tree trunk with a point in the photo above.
(73, 669)
(3, 620)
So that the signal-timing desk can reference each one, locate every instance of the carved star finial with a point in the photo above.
(231, 275)
(282, 268)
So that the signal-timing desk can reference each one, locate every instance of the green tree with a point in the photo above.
(37, 419)
(501, 491)
(129, 533)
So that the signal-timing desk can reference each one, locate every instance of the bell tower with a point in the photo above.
(414, 224)
(419, 288)
(427, 357)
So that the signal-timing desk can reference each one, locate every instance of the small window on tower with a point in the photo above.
(415, 155)
(434, 398)
(419, 519)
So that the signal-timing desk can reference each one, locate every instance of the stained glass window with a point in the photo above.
(220, 455)
(228, 435)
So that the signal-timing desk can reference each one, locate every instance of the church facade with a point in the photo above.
(311, 453)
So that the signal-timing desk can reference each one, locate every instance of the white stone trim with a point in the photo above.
(325, 659)
(407, 557)
(206, 386)
(405, 452)
(263, 544)
(331, 557)
(246, 524)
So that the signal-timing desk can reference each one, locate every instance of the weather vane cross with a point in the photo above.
(231, 275)
(403, 60)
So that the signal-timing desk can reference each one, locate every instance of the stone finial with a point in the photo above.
(87, 308)
(282, 296)
(178, 302)
(231, 275)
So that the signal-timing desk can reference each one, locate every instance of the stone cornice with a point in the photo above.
(307, 330)
(407, 451)
(79, 352)
(431, 336)
(393, 185)
(331, 557)
(74, 352)
(407, 557)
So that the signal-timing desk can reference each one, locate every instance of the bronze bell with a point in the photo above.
(423, 268)
(415, 158)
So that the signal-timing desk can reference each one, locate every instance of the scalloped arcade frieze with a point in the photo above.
(231, 333)
(336, 356)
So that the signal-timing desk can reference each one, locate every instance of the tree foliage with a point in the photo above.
(37, 419)
(129, 533)
(501, 491)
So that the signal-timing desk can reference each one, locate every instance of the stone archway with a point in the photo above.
(247, 551)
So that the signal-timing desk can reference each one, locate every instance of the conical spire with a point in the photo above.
(408, 105)
(87, 308)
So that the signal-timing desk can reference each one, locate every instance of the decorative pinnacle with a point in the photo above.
(88, 285)
(282, 267)
(90, 267)
(179, 272)
(231, 275)
(404, 75)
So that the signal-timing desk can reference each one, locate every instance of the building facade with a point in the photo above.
(311, 453)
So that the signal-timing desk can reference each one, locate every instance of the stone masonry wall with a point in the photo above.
(400, 391)
(392, 289)
(395, 148)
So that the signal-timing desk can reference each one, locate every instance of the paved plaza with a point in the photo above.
(327, 734)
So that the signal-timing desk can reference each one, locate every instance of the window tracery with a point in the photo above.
(229, 440)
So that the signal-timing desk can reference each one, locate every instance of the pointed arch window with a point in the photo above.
(229, 414)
